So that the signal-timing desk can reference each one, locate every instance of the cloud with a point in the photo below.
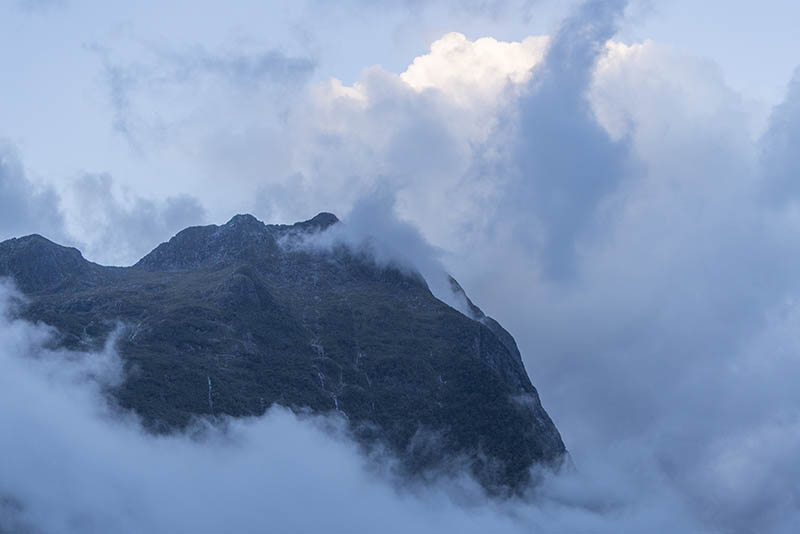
(373, 231)
(564, 161)
(340, 148)
(119, 231)
(680, 272)
(469, 72)
(619, 218)
(414, 135)
(456, 114)
(25, 208)
(81, 465)
(161, 93)
(779, 162)
(108, 226)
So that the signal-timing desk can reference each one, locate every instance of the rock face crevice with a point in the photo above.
(223, 320)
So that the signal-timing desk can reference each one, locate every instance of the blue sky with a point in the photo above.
(754, 45)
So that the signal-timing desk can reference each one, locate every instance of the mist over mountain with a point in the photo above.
(230, 320)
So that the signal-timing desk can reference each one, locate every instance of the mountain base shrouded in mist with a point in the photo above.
(232, 319)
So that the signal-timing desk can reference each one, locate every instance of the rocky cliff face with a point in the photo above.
(228, 320)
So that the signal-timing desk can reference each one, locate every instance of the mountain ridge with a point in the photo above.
(225, 320)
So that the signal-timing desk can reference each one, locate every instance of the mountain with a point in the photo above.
(231, 319)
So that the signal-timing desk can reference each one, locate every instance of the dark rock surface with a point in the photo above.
(228, 320)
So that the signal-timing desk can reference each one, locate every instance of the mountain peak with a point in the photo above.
(39, 263)
(37, 240)
(243, 236)
(245, 220)
(321, 221)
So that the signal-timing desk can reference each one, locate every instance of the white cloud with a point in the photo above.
(469, 72)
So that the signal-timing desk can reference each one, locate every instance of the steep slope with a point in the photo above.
(228, 320)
